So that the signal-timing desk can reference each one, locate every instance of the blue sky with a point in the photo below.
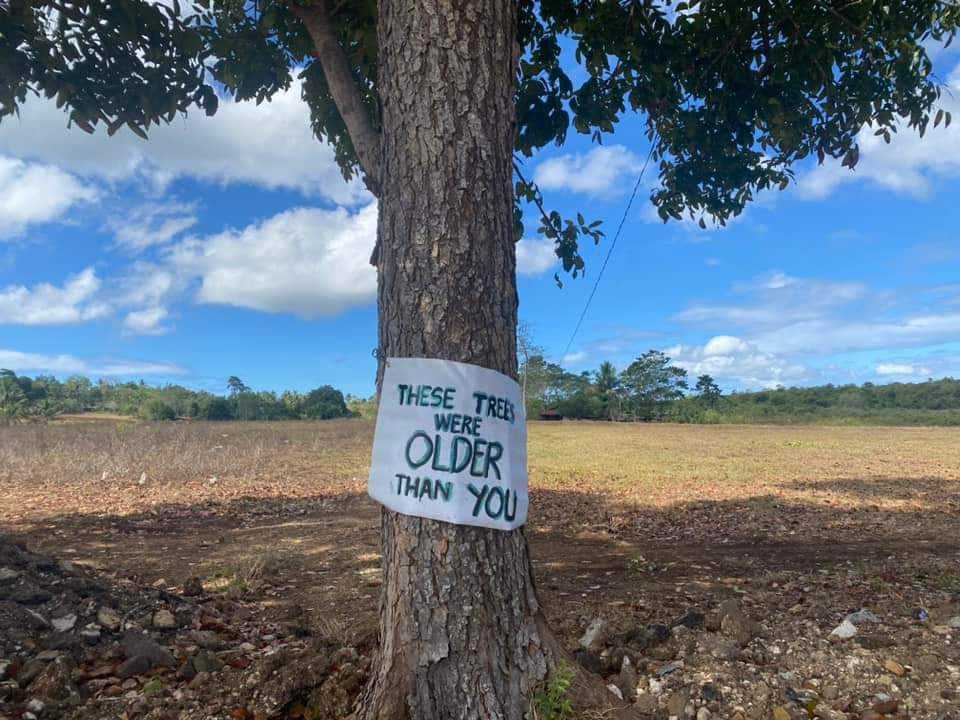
(232, 246)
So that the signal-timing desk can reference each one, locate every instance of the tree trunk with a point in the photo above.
(461, 631)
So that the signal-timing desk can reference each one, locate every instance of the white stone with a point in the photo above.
(593, 637)
(35, 706)
(844, 630)
(65, 623)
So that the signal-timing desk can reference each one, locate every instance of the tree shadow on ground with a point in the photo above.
(320, 554)
(934, 491)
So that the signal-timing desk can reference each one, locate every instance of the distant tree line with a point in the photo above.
(652, 388)
(24, 398)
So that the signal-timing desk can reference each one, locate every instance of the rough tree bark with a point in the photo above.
(461, 630)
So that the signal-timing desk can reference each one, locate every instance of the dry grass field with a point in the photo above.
(635, 523)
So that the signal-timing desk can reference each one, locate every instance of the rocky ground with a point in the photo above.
(783, 649)
(232, 570)
(78, 644)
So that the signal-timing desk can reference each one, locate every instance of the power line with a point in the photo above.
(613, 244)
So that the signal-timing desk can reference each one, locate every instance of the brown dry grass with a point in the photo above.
(96, 466)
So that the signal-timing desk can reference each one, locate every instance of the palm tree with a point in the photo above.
(607, 381)
(13, 403)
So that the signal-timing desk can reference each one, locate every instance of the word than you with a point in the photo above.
(494, 502)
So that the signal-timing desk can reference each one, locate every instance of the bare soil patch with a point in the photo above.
(779, 532)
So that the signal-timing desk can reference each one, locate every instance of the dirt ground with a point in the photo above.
(767, 537)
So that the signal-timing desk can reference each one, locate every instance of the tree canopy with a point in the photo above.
(43, 397)
(732, 93)
(654, 388)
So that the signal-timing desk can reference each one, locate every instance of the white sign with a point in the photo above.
(450, 444)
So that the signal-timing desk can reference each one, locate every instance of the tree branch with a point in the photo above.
(344, 89)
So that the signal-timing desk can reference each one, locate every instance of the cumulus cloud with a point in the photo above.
(34, 193)
(148, 321)
(787, 315)
(152, 224)
(71, 365)
(903, 370)
(306, 261)
(598, 172)
(45, 304)
(147, 283)
(733, 360)
(535, 255)
(909, 165)
(574, 358)
(270, 145)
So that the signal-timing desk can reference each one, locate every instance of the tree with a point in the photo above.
(650, 381)
(428, 101)
(608, 385)
(236, 386)
(324, 403)
(708, 390)
(526, 349)
(156, 409)
(217, 408)
(13, 402)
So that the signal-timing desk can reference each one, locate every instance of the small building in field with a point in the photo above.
(551, 415)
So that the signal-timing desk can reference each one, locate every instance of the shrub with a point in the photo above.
(155, 409)
(218, 409)
(325, 403)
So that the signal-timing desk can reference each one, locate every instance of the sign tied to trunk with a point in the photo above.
(450, 444)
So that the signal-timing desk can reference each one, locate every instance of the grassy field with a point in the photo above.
(635, 522)
(616, 468)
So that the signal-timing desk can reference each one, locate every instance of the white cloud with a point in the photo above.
(776, 299)
(732, 360)
(832, 334)
(574, 358)
(46, 304)
(70, 365)
(148, 284)
(270, 145)
(622, 345)
(902, 369)
(33, 193)
(777, 280)
(148, 321)
(787, 315)
(724, 345)
(909, 165)
(535, 255)
(152, 224)
(306, 261)
(597, 172)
